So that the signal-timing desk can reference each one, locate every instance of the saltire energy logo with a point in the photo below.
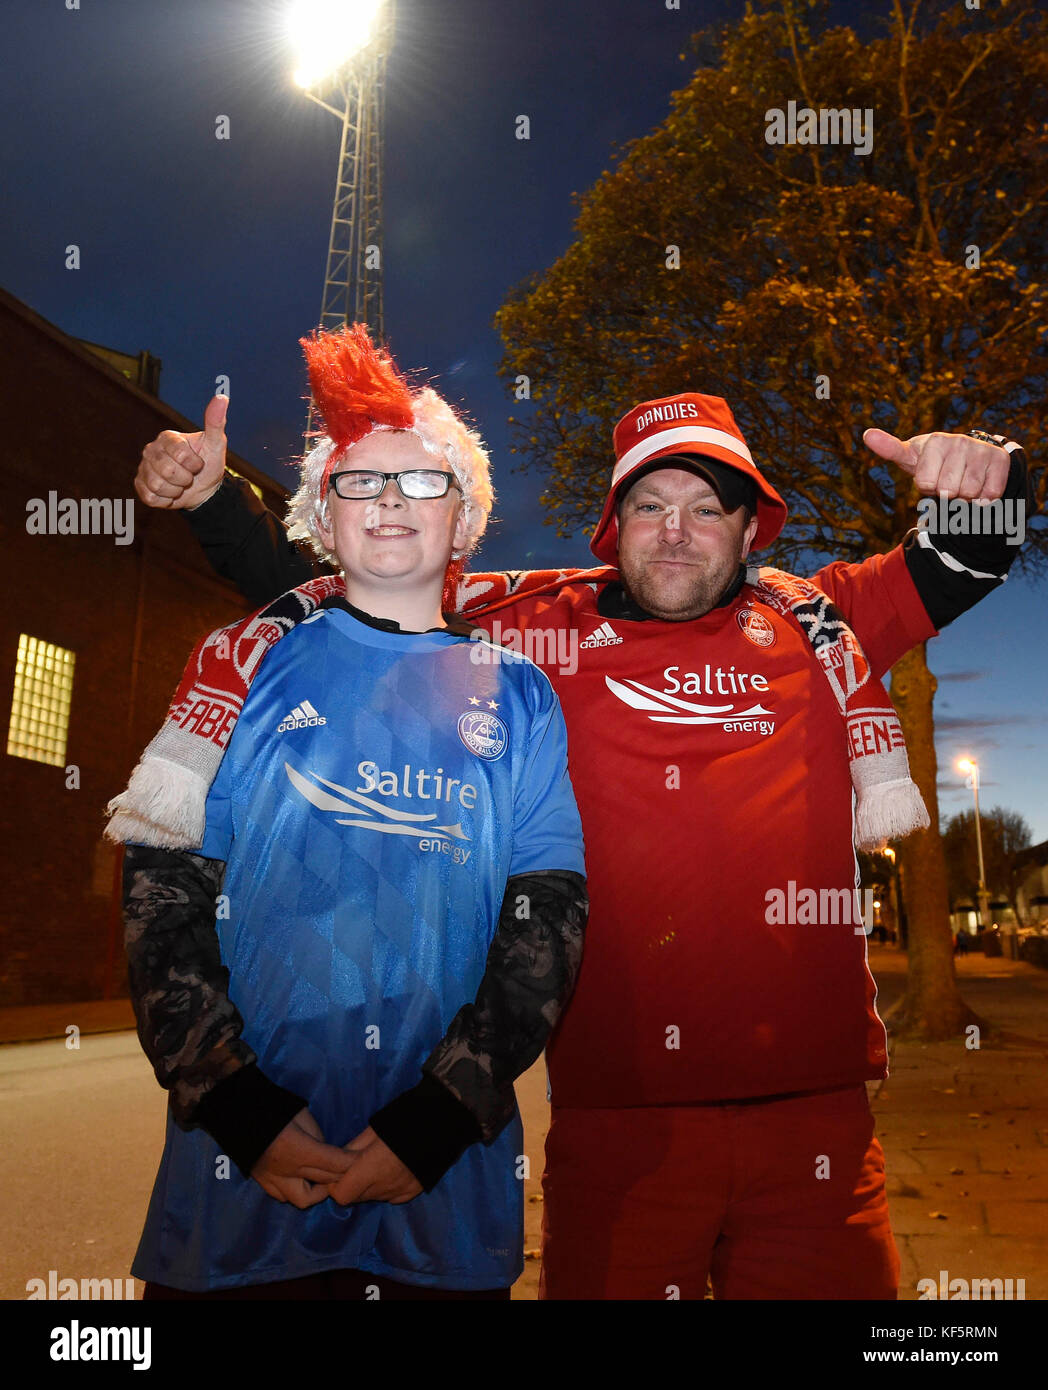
(663, 707)
(367, 813)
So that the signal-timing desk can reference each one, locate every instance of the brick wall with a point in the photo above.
(131, 613)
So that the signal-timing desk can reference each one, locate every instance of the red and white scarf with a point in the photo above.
(163, 804)
(888, 803)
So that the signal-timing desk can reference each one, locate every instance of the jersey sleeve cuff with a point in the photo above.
(428, 1129)
(245, 1113)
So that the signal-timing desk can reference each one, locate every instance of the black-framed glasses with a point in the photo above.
(359, 485)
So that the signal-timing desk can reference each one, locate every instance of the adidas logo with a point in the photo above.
(303, 716)
(605, 636)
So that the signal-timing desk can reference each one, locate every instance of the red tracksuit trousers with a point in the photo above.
(781, 1198)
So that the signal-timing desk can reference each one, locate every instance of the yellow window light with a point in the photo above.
(39, 726)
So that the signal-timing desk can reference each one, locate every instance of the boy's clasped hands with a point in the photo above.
(300, 1167)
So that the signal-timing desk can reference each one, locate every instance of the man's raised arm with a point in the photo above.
(972, 519)
(243, 541)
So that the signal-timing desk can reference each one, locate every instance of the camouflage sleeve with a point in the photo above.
(188, 1027)
(531, 969)
(466, 1093)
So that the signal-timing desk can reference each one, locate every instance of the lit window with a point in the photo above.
(40, 707)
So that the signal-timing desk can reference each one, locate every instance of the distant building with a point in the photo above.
(103, 600)
(1032, 891)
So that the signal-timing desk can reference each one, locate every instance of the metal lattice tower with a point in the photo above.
(353, 279)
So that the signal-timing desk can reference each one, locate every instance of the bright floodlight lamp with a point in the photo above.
(326, 34)
(966, 764)
(341, 48)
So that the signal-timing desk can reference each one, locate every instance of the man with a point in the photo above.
(389, 851)
(729, 738)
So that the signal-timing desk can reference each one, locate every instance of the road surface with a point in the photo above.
(83, 1134)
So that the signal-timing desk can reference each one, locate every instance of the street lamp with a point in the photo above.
(971, 767)
(893, 893)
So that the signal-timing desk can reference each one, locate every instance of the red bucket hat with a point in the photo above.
(684, 424)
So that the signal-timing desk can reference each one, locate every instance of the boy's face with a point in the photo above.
(393, 540)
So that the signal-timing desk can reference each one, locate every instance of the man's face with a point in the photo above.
(401, 541)
(678, 548)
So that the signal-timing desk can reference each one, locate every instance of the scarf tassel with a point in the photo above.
(162, 806)
(888, 810)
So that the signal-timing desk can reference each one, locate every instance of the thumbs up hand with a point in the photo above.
(184, 470)
(951, 465)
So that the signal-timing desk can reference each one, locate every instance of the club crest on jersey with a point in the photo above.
(483, 734)
(756, 627)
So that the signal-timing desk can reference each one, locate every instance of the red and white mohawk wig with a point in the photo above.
(357, 389)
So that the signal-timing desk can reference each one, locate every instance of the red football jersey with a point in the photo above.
(710, 767)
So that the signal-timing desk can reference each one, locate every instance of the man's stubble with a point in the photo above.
(697, 590)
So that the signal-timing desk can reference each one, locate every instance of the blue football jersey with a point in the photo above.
(378, 790)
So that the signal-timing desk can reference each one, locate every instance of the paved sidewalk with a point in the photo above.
(965, 1134)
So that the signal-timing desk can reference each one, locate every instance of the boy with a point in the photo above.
(362, 820)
